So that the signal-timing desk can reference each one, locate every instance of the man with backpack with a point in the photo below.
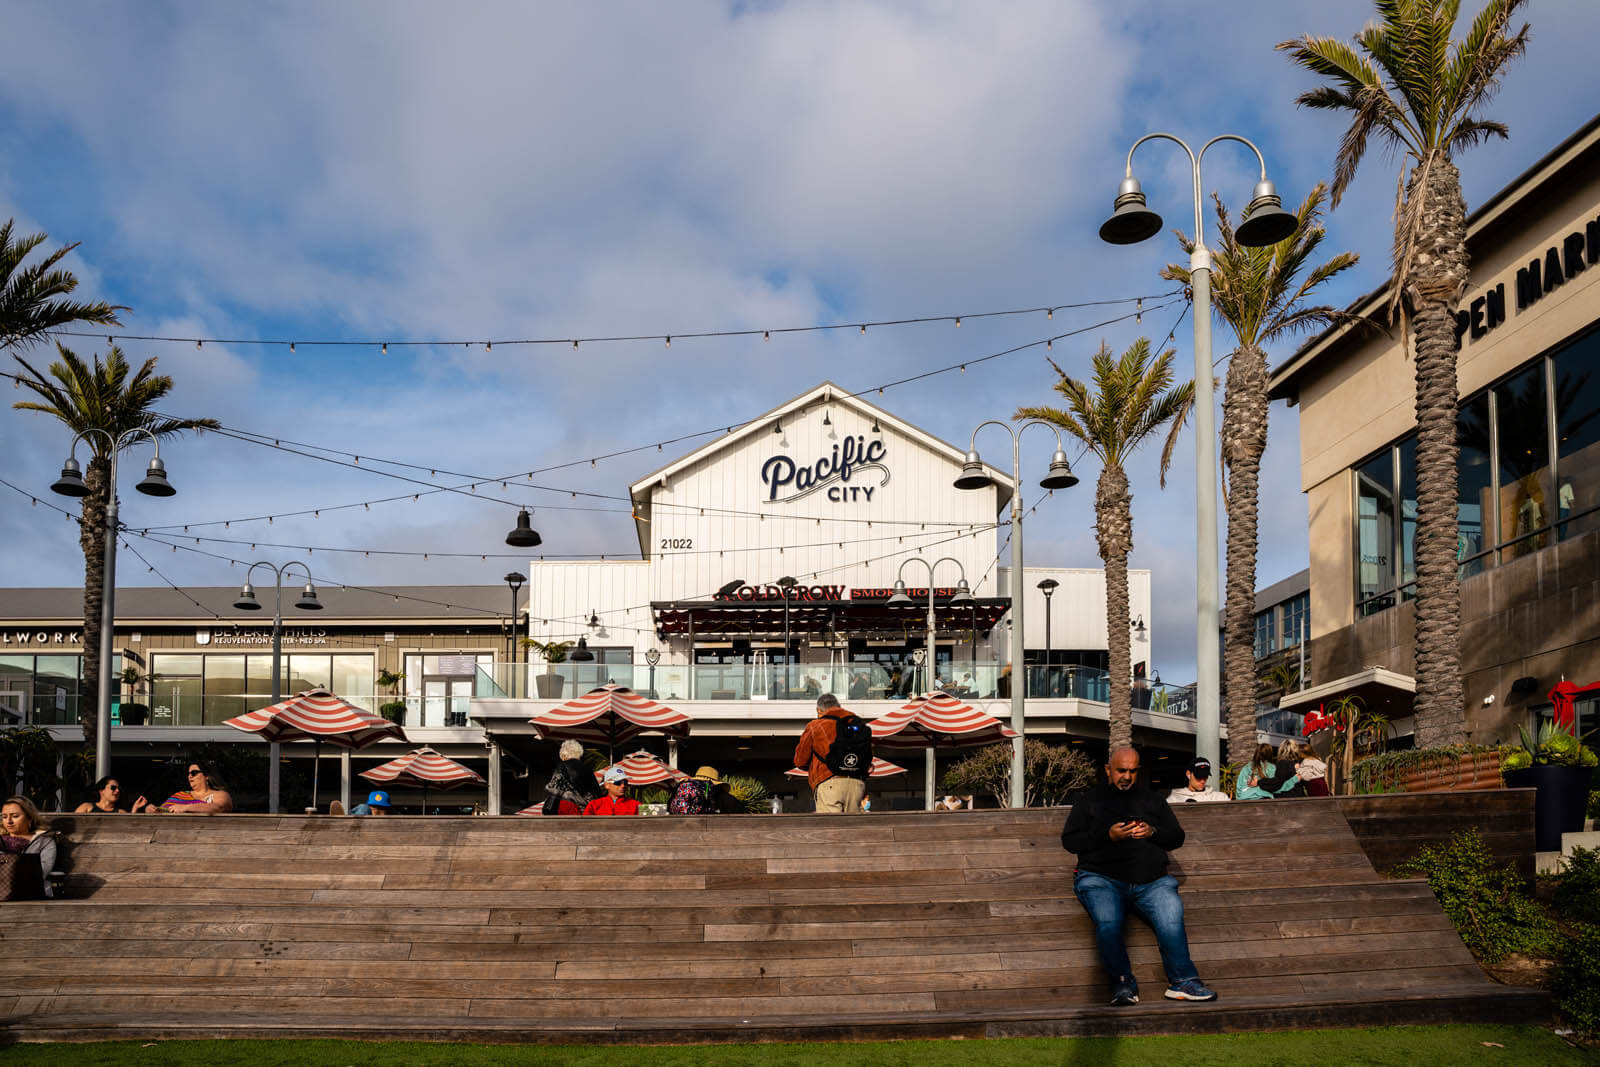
(836, 752)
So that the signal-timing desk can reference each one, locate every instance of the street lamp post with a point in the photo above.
(786, 583)
(931, 659)
(1264, 223)
(1048, 588)
(154, 483)
(247, 602)
(973, 476)
(514, 579)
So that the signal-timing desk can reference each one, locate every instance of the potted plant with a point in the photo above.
(393, 710)
(1559, 767)
(131, 712)
(549, 684)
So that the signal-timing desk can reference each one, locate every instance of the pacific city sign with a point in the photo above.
(848, 459)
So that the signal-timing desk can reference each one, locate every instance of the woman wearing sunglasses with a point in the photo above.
(205, 795)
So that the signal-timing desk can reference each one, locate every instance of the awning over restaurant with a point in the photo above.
(846, 618)
(1379, 688)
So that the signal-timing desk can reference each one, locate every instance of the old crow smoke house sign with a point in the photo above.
(847, 460)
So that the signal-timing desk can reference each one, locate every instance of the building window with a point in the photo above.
(1265, 644)
(1296, 620)
(194, 689)
(1528, 476)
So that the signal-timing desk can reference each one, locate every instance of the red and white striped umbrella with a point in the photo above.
(425, 768)
(881, 768)
(610, 715)
(319, 715)
(644, 768)
(938, 719)
(935, 719)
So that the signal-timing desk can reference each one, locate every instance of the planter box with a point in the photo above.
(549, 686)
(1475, 771)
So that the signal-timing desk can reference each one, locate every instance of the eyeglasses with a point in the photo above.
(194, 771)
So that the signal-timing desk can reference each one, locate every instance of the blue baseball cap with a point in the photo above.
(377, 799)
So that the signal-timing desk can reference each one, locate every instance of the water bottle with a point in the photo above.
(777, 805)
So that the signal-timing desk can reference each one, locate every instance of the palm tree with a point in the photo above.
(103, 397)
(1256, 292)
(1408, 87)
(1133, 398)
(28, 295)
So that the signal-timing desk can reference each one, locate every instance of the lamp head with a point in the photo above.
(899, 596)
(308, 599)
(71, 481)
(963, 595)
(1060, 475)
(581, 654)
(1264, 223)
(515, 579)
(1048, 586)
(524, 536)
(1131, 221)
(972, 475)
(246, 600)
(155, 481)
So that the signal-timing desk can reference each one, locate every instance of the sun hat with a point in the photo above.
(708, 774)
(377, 799)
(615, 774)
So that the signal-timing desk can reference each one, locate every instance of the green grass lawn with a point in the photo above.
(1401, 1046)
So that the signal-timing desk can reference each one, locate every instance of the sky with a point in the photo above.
(405, 171)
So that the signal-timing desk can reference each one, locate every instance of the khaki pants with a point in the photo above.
(840, 796)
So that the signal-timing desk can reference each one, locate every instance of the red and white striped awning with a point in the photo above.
(610, 715)
(425, 768)
(644, 768)
(881, 768)
(317, 715)
(938, 719)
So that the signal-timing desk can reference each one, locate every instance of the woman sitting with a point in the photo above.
(615, 784)
(572, 786)
(23, 832)
(205, 795)
(1259, 779)
(108, 800)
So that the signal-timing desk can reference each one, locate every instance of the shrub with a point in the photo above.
(1577, 894)
(1382, 773)
(748, 792)
(1053, 773)
(1577, 980)
(1485, 899)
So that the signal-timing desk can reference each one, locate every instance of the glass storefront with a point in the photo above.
(204, 689)
(1528, 476)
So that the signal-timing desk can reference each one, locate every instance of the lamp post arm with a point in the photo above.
(1194, 169)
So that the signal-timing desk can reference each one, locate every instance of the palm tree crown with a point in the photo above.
(1133, 398)
(28, 295)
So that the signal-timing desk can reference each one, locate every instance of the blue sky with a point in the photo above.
(493, 171)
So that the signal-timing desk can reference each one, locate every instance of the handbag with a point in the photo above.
(21, 876)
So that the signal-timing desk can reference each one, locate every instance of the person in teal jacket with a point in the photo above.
(1258, 779)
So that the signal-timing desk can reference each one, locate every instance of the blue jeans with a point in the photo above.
(1107, 901)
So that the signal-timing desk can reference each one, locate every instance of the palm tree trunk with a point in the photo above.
(1436, 281)
(92, 539)
(1244, 439)
(1114, 532)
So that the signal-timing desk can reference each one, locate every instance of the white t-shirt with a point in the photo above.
(1185, 795)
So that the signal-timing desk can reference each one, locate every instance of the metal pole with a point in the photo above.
(108, 616)
(275, 750)
(1208, 698)
(1019, 633)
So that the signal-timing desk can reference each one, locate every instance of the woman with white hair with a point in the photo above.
(572, 785)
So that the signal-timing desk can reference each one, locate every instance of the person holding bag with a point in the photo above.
(29, 851)
(572, 785)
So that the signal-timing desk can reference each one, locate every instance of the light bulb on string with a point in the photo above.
(384, 348)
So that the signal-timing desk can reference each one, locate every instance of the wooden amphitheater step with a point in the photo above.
(702, 928)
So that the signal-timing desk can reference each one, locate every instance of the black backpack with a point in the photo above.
(850, 755)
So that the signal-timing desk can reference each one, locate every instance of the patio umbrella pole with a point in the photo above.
(928, 782)
(316, 765)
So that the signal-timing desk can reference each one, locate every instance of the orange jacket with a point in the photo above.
(812, 751)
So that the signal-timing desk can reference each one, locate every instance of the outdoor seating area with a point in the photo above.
(709, 928)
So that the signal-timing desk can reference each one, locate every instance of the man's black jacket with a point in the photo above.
(1087, 833)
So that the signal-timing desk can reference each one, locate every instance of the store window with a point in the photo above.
(1576, 371)
(1522, 433)
(1475, 530)
(1296, 620)
(205, 689)
(439, 687)
(1375, 526)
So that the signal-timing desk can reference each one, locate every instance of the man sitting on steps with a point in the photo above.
(1121, 833)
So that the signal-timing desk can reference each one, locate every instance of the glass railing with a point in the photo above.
(855, 681)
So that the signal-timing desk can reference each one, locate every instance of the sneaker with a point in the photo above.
(1193, 989)
(1125, 992)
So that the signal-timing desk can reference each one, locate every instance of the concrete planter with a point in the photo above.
(1560, 803)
